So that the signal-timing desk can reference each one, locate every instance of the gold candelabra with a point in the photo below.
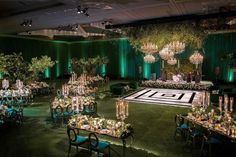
(122, 109)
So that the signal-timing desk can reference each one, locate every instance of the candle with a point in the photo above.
(62, 90)
(203, 98)
(226, 100)
(127, 109)
(117, 108)
(231, 103)
(220, 103)
(208, 99)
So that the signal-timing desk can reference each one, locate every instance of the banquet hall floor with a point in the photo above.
(153, 133)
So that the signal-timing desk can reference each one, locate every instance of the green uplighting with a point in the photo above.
(231, 75)
(58, 72)
(47, 73)
(146, 70)
(122, 57)
(1, 75)
(69, 66)
(103, 69)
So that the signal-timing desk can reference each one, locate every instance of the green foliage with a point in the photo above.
(165, 33)
(185, 68)
(88, 65)
(38, 65)
(14, 66)
(2, 63)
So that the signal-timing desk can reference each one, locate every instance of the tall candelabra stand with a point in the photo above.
(77, 105)
(122, 109)
(226, 105)
(206, 99)
(73, 77)
(5, 84)
(65, 90)
(19, 84)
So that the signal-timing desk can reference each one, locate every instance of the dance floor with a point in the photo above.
(182, 98)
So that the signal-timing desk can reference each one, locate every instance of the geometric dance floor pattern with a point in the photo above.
(173, 97)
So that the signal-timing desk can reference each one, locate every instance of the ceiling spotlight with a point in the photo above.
(79, 11)
(86, 14)
(26, 23)
(30, 23)
(82, 11)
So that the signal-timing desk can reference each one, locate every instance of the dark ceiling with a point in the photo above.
(47, 14)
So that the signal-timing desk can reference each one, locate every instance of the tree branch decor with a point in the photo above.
(163, 34)
(38, 65)
(89, 65)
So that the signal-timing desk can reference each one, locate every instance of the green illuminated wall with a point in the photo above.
(123, 59)
(216, 46)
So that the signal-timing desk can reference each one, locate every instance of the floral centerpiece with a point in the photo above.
(101, 125)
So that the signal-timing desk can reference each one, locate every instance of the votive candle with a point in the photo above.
(231, 103)
(220, 103)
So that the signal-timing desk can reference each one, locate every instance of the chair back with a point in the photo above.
(93, 140)
(178, 120)
(58, 110)
(69, 109)
(71, 134)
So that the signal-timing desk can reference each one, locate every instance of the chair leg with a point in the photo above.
(209, 150)
(202, 147)
(90, 152)
(69, 149)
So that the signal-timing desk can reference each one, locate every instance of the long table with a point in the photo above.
(169, 84)
(114, 129)
(216, 128)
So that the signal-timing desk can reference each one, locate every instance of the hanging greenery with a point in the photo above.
(89, 65)
(163, 34)
(38, 65)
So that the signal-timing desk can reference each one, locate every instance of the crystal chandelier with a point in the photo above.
(196, 58)
(166, 53)
(176, 46)
(149, 58)
(149, 48)
(172, 61)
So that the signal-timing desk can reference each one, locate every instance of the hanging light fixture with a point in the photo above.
(172, 61)
(149, 58)
(166, 53)
(196, 58)
(149, 48)
(176, 46)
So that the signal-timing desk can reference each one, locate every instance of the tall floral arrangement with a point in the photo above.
(14, 66)
(38, 65)
(89, 65)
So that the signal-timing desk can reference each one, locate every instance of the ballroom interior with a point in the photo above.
(117, 78)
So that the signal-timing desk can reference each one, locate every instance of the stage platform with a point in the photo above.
(173, 97)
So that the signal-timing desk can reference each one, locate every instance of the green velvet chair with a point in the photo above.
(181, 127)
(75, 139)
(98, 146)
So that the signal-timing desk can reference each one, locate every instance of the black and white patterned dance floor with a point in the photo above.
(183, 98)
